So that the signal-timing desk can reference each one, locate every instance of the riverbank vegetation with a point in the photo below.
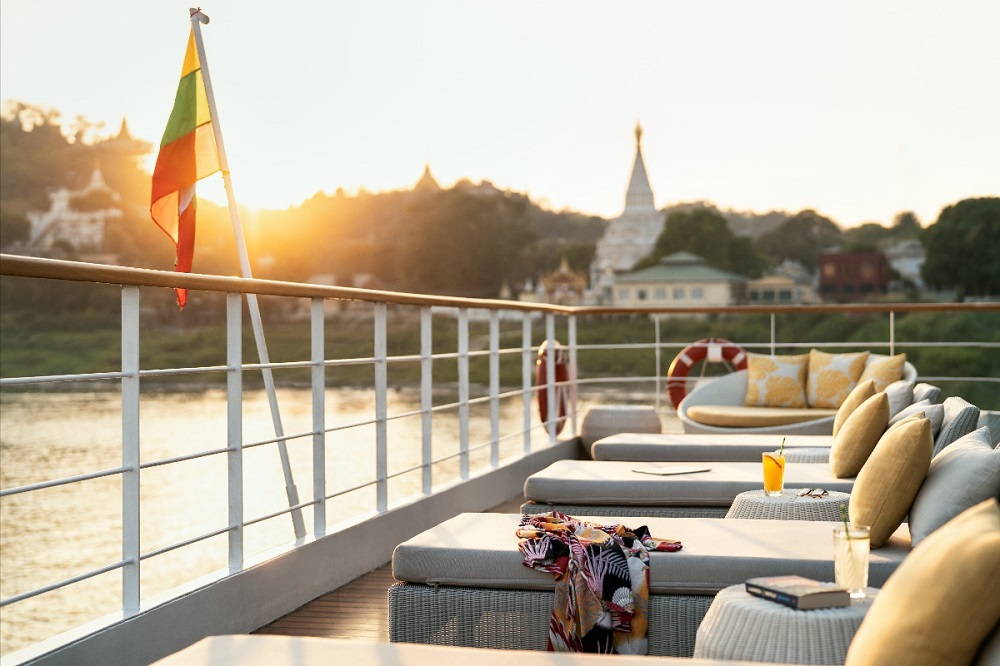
(57, 346)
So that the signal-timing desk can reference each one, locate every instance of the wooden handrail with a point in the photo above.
(35, 267)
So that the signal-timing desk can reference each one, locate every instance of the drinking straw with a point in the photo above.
(847, 529)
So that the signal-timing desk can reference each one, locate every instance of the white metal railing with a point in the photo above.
(131, 468)
(130, 471)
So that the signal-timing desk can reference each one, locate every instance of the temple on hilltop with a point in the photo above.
(75, 221)
(632, 235)
(427, 182)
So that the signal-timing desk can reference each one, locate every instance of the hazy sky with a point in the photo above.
(857, 109)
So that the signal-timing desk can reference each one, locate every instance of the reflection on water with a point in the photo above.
(58, 533)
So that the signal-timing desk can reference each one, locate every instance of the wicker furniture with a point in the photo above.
(729, 391)
(463, 582)
(601, 421)
(755, 505)
(960, 418)
(609, 488)
(808, 454)
(741, 626)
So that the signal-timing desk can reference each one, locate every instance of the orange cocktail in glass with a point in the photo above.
(774, 473)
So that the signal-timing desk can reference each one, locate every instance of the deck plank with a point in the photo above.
(358, 610)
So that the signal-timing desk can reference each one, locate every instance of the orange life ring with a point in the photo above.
(541, 381)
(729, 352)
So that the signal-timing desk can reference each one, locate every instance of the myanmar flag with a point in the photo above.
(188, 153)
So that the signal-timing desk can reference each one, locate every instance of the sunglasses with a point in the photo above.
(815, 493)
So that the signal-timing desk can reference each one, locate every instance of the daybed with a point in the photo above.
(940, 605)
(958, 418)
(611, 488)
(720, 407)
(464, 582)
(887, 480)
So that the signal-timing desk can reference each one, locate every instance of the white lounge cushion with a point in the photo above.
(932, 411)
(480, 550)
(961, 476)
(928, 392)
(613, 483)
(960, 418)
(697, 446)
(900, 396)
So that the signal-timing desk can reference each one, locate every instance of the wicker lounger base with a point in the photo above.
(532, 508)
(519, 619)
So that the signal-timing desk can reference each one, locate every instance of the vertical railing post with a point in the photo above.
(381, 410)
(318, 360)
(131, 545)
(773, 339)
(426, 399)
(494, 388)
(656, 359)
(573, 395)
(234, 427)
(550, 375)
(463, 391)
(892, 332)
(526, 376)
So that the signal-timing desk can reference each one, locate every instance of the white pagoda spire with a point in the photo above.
(632, 235)
(639, 195)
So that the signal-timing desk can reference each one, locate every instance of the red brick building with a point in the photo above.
(852, 277)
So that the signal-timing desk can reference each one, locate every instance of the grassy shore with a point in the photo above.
(47, 345)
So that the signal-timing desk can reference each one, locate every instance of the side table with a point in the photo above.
(755, 504)
(741, 626)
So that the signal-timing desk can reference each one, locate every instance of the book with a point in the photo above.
(799, 592)
(669, 470)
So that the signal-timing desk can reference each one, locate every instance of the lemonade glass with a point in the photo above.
(850, 558)
(774, 473)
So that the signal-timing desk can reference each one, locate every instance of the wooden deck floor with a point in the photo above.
(358, 610)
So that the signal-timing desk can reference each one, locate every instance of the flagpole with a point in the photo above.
(197, 18)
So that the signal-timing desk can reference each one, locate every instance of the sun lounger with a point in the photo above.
(959, 418)
(612, 488)
(464, 582)
(942, 604)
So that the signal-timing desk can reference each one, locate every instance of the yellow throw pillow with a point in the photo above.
(861, 392)
(858, 436)
(831, 377)
(883, 369)
(940, 605)
(888, 482)
(776, 381)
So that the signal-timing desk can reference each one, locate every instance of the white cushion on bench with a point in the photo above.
(698, 446)
(741, 416)
(480, 550)
(615, 483)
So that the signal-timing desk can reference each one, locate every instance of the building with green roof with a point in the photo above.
(679, 280)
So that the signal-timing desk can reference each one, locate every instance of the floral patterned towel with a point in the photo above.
(602, 581)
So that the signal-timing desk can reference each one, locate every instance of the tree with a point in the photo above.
(800, 238)
(906, 225)
(868, 237)
(705, 232)
(962, 248)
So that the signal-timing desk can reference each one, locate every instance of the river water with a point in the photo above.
(54, 534)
